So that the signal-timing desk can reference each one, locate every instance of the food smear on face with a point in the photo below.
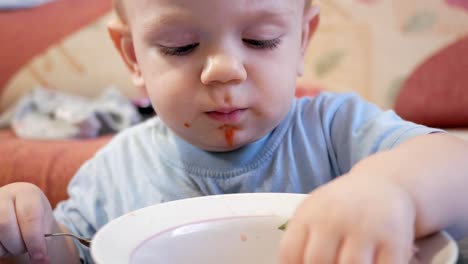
(283, 226)
(187, 125)
(243, 237)
(229, 133)
(227, 99)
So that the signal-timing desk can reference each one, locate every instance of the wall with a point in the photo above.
(370, 46)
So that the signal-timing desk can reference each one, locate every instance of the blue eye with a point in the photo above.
(262, 44)
(178, 51)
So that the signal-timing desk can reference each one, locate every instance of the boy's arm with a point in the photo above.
(433, 169)
(374, 212)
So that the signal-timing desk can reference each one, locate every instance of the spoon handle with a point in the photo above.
(85, 242)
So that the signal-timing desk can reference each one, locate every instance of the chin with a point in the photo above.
(224, 144)
(227, 148)
(222, 148)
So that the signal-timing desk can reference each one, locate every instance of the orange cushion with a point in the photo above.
(27, 32)
(48, 164)
(436, 93)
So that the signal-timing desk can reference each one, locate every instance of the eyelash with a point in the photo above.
(178, 51)
(263, 44)
(253, 43)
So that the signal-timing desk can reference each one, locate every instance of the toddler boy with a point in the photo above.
(221, 75)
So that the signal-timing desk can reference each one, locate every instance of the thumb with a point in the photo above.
(31, 216)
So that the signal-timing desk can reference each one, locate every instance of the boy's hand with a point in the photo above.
(352, 220)
(25, 216)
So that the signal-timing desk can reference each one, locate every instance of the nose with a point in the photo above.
(223, 68)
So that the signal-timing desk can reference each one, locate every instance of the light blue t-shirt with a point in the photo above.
(320, 139)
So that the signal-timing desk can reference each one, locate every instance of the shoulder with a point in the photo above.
(137, 138)
(327, 106)
(329, 101)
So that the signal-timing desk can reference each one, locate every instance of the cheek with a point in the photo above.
(167, 85)
(279, 68)
(167, 97)
(175, 101)
(276, 82)
(276, 90)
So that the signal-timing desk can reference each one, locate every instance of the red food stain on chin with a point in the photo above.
(229, 133)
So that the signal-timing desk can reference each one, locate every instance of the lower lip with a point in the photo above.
(231, 117)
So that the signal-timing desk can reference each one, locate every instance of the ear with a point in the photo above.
(309, 26)
(122, 39)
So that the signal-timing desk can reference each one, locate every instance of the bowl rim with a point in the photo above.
(184, 212)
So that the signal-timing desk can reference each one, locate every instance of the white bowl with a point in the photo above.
(234, 228)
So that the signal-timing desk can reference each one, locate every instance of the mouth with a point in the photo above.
(228, 115)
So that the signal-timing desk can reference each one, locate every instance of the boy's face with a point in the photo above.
(220, 73)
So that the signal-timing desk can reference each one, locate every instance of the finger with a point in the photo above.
(356, 250)
(30, 214)
(3, 251)
(389, 253)
(322, 247)
(10, 236)
(293, 243)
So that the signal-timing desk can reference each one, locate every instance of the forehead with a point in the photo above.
(210, 8)
(211, 2)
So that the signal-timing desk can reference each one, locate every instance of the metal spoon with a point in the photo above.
(84, 241)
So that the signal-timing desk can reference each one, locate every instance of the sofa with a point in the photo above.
(26, 33)
(61, 45)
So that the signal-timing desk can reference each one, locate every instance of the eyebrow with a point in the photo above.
(258, 8)
(169, 19)
(270, 13)
(256, 12)
(172, 18)
(166, 19)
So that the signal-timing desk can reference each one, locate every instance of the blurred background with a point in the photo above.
(366, 46)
